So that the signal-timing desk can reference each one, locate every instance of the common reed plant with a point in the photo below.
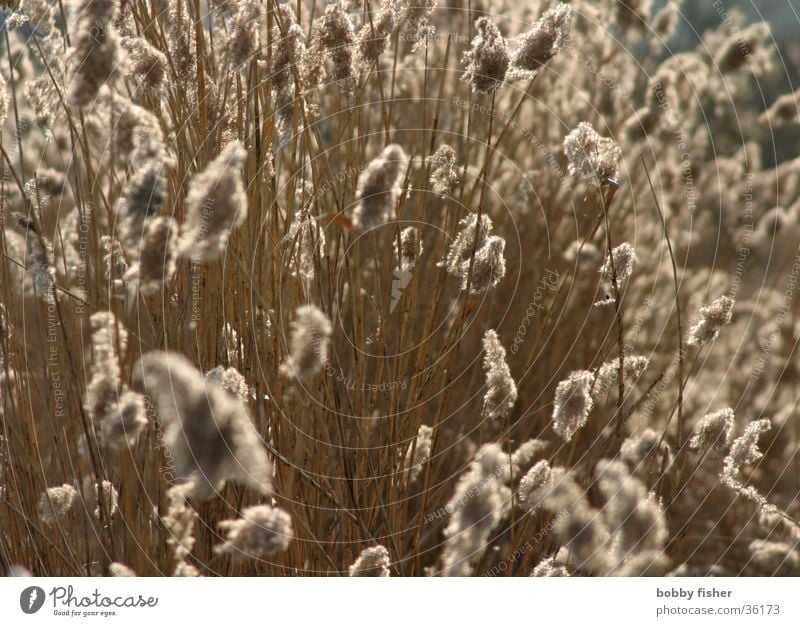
(395, 288)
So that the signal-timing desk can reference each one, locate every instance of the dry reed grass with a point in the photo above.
(392, 288)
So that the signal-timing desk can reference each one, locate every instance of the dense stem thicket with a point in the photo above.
(396, 290)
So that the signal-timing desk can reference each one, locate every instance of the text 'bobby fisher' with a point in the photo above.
(688, 594)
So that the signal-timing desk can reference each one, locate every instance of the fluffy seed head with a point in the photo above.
(594, 157)
(445, 176)
(339, 41)
(156, 260)
(308, 345)
(94, 55)
(242, 43)
(123, 425)
(379, 188)
(409, 250)
(372, 561)
(713, 433)
(501, 390)
(261, 531)
(530, 485)
(209, 432)
(774, 558)
(421, 449)
(415, 17)
(56, 502)
(710, 320)
(231, 381)
(550, 567)
(636, 521)
(147, 65)
(479, 504)
(572, 403)
(624, 258)
(633, 367)
(488, 60)
(306, 241)
(38, 260)
(118, 570)
(107, 499)
(373, 37)
(744, 451)
(489, 267)
(470, 237)
(576, 526)
(542, 42)
(215, 205)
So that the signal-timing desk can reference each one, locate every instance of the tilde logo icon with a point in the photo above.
(31, 599)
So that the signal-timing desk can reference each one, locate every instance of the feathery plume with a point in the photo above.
(489, 267)
(635, 520)
(530, 486)
(541, 43)
(445, 176)
(261, 531)
(231, 381)
(373, 37)
(415, 17)
(470, 238)
(526, 453)
(479, 504)
(409, 250)
(379, 188)
(209, 432)
(577, 525)
(713, 433)
(146, 64)
(643, 448)
(3, 100)
(156, 260)
(549, 567)
(307, 241)
(179, 522)
(338, 40)
(125, 422)
(594, 157)
(742, 46)
(774, 558)
(488, 59)
(572, 403)
(421, 449)
(288, 50)
(182, 43)
(107, 497)
(785, 111)
(56, 502)
(308, 346)
(710, 320)
(215, 205)
(242, 43)
(38, 260)
(94, 54)
(501, 390)
(118, 570)
(633, 13)
(633, 367)
(624, 257)
(142, 201)
(373, 561)
(744, 451)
